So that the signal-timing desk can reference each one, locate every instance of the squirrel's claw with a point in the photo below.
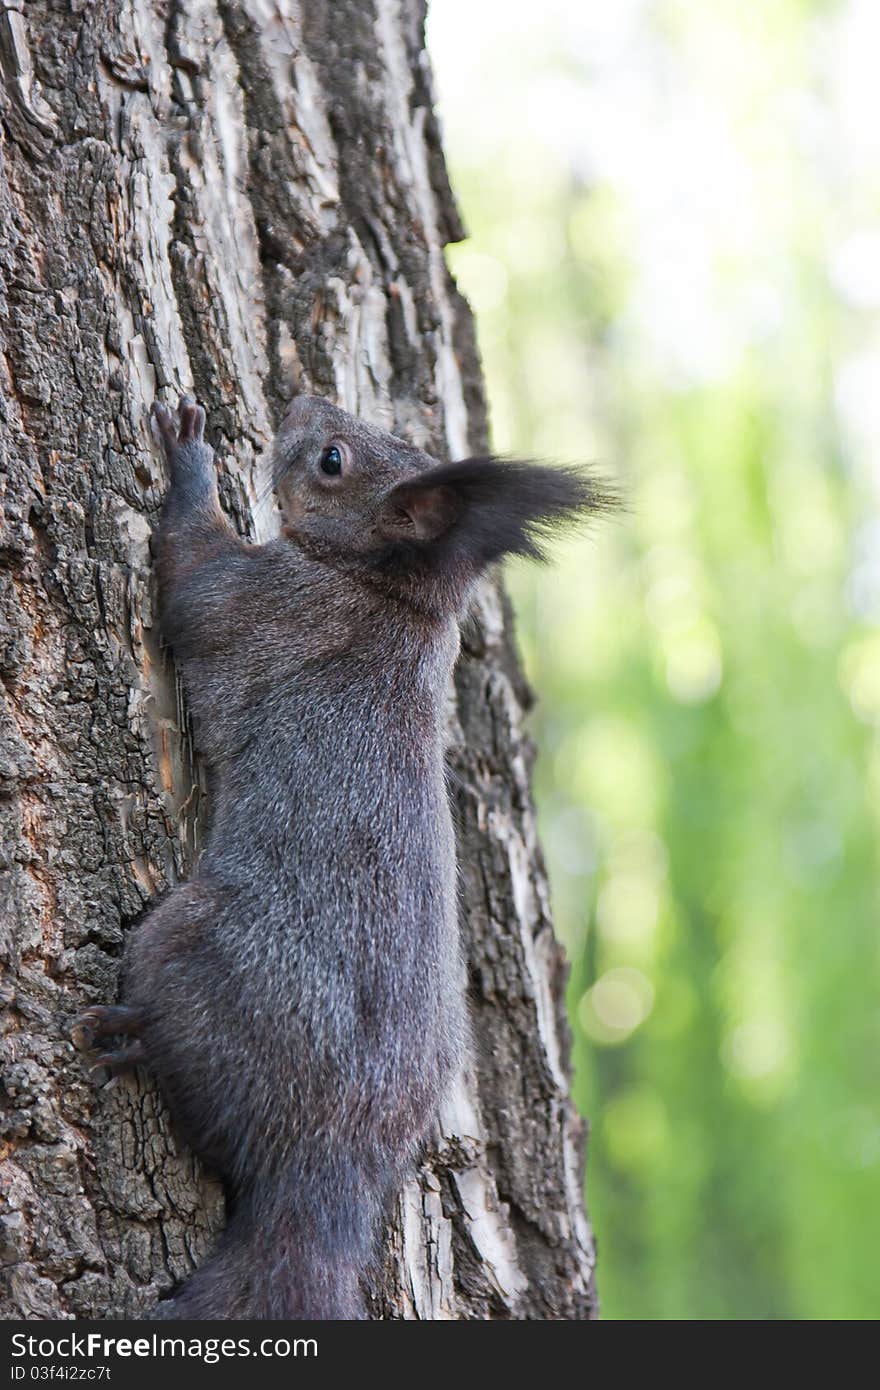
(122, 1060)
(191, 427)
(103, 1020)
(192, 420)
(163, 423)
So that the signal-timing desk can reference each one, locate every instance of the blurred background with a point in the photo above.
(674, 261)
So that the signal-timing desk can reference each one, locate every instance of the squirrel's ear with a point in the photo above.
(483, 508)
(414, 512)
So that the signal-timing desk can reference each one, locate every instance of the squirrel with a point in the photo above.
(301, 999)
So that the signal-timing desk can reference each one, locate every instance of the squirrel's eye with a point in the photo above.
(331, 461)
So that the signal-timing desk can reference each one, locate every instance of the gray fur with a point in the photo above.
(301, 999)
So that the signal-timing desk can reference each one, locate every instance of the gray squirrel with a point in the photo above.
(301, 1000)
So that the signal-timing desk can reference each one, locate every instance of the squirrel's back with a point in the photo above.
(302, 998)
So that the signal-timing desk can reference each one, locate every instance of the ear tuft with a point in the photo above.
(478, 510)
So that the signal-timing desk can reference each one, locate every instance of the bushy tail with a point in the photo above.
(281, 1258)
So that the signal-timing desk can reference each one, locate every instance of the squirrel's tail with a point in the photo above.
(282, 1257)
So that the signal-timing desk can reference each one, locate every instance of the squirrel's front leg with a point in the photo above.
(191, 504)
(196, 552)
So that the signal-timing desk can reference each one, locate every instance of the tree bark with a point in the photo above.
(235, 196)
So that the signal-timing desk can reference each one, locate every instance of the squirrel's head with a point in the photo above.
(355, 496)
(333, 475)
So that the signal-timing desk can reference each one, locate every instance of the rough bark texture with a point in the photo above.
(230, 196)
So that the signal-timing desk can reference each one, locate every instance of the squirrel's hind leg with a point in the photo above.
(106, 1021)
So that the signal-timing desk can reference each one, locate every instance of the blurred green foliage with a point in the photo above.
(675, 264)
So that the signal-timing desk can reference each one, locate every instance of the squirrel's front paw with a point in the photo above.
(184, 443)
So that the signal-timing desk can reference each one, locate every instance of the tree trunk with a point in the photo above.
(232, 197)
